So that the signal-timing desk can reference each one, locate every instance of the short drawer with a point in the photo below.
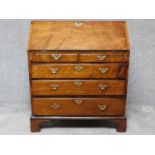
(78, 106)
(53, 57)
(104, 57)
(96, 70)
(78, 87)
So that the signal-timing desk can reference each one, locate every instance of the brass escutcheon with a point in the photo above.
(54, 86)
(101, 57)
(56, 56)
(78, 24)
(103, 86)
(55, 106)
(78, 68)
(102, 107)
(54, 70)
(78, 83)
(78, 101)
(103, 70)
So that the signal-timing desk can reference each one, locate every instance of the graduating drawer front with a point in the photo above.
(78, 87)
(96, 70)
(54, 57)
(104, 57)
(78, 106)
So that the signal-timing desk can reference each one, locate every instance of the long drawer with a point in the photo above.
(67, 70)
(78, 87)
(112, 56)
(78, 106)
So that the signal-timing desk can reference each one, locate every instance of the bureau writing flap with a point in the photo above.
(70, 35)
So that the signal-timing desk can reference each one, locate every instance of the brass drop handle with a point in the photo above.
(55, 106)
(103, 86)
(78, 101)
(102, 107)
(78, 83)
(103, 70)
(101, 57)
(78, 68)
(54, 87)
(54, 70)
(56, 56)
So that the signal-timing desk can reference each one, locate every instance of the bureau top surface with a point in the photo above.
(73, 35)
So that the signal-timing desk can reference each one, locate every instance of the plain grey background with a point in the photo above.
(14, 84)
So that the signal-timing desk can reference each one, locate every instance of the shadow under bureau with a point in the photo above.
(78, 70)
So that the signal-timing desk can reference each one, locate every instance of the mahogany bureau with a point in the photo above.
(78, 70)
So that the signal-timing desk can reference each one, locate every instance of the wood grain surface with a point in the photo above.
(87, 107)
(78, 69)
(66, 70)
(78, 87)
(79, 56)
(72, 35)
